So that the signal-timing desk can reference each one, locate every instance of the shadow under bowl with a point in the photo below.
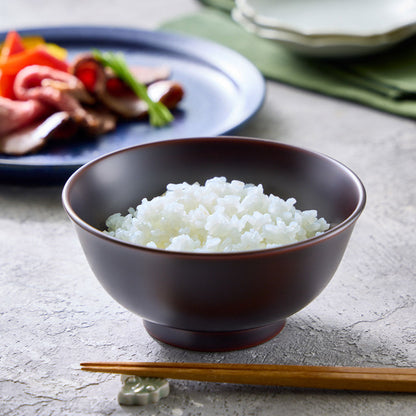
(213, 301)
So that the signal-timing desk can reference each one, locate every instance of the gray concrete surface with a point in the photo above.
(54, 314)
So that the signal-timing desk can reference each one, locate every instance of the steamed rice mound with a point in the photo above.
(220, 216)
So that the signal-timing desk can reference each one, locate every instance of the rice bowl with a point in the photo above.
(213, 301)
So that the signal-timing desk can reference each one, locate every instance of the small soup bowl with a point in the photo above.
(213, 301)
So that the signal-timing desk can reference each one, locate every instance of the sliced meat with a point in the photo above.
(33, 82)
(118, 97)
(169, 93)
(31, 138)
(98, 121)
(81, 94)
(148, 75)
(90, 72)
(58, 126)
(128, 107)
(145, 75)
(33, 78)
(110, 91)
(95, 78)
(18, 114)
(62, 91)
(55, 105)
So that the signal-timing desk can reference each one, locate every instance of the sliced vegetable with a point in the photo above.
(6, 86)
(35, 56)
(12, 45)
(159, 114)
(57, 51)
(17, 53)
(29, 42)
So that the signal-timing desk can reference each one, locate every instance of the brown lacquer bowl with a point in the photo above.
(213, 302)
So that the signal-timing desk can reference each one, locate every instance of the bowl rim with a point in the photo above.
(332, 232)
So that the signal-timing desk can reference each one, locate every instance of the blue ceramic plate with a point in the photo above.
(223, 90)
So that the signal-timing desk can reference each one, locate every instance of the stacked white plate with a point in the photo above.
(329, 28)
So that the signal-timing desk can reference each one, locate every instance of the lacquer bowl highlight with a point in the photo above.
(224, 301)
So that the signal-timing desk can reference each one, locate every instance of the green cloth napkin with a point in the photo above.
(386, 81)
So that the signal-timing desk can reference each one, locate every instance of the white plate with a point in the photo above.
(362, 18)
(325, 46)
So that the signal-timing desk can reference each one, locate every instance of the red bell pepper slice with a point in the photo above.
(36, 56)
(6, 86)
(12, 45)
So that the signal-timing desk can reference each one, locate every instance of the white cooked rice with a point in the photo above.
(218, 217)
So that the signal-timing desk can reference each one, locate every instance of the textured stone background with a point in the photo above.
(54, 314)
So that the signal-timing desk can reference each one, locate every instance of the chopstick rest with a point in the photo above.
(137, 390)
(336, 378)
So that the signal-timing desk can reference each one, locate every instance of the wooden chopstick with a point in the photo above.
(338, 378)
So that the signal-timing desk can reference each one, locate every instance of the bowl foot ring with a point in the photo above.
(213, 341)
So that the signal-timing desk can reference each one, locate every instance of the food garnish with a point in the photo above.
(159, 114)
